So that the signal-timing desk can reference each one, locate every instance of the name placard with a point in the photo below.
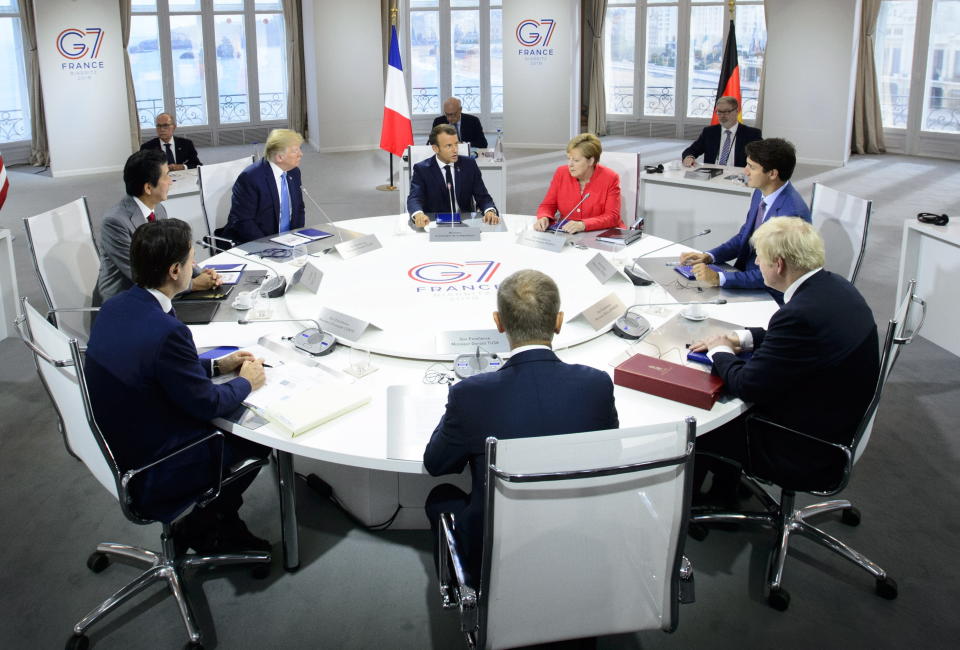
(358, 246)
(544, 240)
(604, 311)
(309, 276)
(456, 233)
(601, 268)
(342, 325)
(467, 341)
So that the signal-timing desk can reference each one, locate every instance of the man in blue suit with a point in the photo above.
(266, 195)
(813, 369)
(151, 394)
(447, 178)
(770, 165)
(533, 394)
(724, 143)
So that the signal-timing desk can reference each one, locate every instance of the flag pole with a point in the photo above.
(389, 186)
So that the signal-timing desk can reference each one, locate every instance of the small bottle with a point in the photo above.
(498, 147)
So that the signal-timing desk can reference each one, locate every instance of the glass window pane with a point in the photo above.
(14, 97)
(189, 91)
(465, 57)
(8, 6)
(941, 97)
(619, 45)
(425, 62)
(143, 6)
(231, 51)
(264, 5)
(272, 66)
(424, 3)
(228, 5)
(893, 57)
(184, 5)
(144, 53)
(464, 3)
(496, 61)
(660, 77)
(706, 57)
(751, 41)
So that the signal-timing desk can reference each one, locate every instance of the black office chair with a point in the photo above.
(781, 514)
(60, 367)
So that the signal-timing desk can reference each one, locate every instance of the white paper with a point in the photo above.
(291, 239)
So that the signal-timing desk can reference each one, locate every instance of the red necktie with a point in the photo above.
(151, 217)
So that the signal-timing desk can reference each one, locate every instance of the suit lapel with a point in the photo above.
(267, 178)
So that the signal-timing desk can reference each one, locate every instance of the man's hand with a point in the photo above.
(233, 361)
(176, 167)
(541, 224)
(706, 275)
(731, 340)
(420, 220)
(252, 371)
(689, 258)
(490, 216)
(689, 161)
(208, 279)
(573, 227)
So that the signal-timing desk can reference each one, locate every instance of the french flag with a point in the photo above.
(397, 133)
(4, 183)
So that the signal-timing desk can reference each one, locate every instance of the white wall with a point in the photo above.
(344, 64)
(86, 107)
(541, 92)
(811, 63)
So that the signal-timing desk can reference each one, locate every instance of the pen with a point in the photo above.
(267, 365)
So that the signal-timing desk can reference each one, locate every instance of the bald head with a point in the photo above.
(452, 109)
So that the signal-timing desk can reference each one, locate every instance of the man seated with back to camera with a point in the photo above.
(813, 369)
(533, 394)
(447, 182)
(770, 164)
(151, 394)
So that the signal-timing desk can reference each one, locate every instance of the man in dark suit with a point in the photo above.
(770, 165)
(468, 127)
(151, 394)
(147, 183)
(724, 143)
(813, 369)
(266, 195)
(533, 394)
(446, 178)
(178, 152)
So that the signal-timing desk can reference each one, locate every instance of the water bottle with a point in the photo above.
(498, 147)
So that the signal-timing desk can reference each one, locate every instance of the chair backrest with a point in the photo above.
(216, 190)
(418, 152)
(627, 165)
(843, 221)
(59, 365)
(67, 260)
(584, 533)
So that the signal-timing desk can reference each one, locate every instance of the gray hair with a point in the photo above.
(528, 302)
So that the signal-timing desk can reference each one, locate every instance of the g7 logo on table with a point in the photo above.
(450, 272)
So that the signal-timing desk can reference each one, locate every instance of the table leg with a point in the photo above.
(286, 485)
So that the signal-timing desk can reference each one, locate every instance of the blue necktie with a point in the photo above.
(284, 203)
(725, 153)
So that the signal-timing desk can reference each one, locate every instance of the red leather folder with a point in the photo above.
(670, 380)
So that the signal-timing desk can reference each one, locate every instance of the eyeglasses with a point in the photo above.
(933, 218)
(274, 253)
(650, 169)
(165, 126)
(733, 110)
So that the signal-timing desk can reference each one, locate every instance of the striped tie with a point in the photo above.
(725, 153)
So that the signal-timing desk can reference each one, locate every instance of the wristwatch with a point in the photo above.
(216, 367)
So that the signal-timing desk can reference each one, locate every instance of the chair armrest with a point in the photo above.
(461, 594)
(793, 432)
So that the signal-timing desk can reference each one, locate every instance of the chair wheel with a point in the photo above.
(260, 571)
(779, 599)
(77, 642)
(850, 516)
(886, 588)
(98, 561)
(697, 531)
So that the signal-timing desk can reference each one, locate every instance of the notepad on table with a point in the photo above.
(313, 234)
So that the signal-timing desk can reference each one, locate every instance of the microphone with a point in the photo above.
(635, 327)
(274, 286)
(324, 215)
(567, 218)
(312, 340)
(638, 276)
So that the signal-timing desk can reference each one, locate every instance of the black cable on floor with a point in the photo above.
(324, 489)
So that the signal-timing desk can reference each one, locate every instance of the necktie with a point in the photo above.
(151, 217)
(446, 170)
(170, 158)
(725, 152)
(284, 203)
(761, 210)
(457, 127)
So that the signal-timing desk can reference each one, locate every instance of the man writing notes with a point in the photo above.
(151, 394)
(770, 165)
(724, 143)
(147, 181)
(178, 152)
(533, 394)
(468, 127)
(266, 195)
(813, 369)
(448, 183)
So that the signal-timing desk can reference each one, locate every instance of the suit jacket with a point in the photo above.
(428, 187)
(183, 150)
(814, 369)
(151, 394)
(533, 394)
(470, 130)
(788, 203)
(255, 206)
(116, 232)
(709, 144)
(600, 210)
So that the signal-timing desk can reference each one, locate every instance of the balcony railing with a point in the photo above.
(12, 126)
(233, 108)
(661, 100)
(426, 99)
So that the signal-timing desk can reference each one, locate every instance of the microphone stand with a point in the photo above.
(312, 340)
(275, 290)
(638, 276)
(567, 218)
(323, 213)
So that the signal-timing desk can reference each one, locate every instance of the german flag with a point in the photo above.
(729, 85)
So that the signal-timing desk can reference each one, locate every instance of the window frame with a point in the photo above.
(13, 149)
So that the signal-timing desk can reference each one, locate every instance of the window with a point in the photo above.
(662, 58)
(217, 63)
(14, 96)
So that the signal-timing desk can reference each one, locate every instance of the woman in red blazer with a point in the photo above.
(578, 178)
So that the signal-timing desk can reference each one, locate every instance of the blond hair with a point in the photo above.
(791, 239)
(588, 145)
(279, 141)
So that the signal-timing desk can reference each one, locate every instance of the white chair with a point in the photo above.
(627, 165)
(583, 536)
(843, 221)
(67, 260)
(60, 366)
(216, 190)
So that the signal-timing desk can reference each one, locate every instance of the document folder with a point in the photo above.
(669, 380)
